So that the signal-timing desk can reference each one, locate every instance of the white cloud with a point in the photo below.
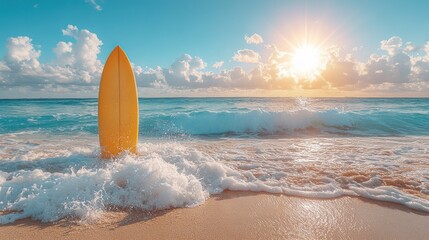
(420, 66)
(21, 50)
(76, 68)
(165, 78)
(21, 62)
(392, 45)
(253, 39)
(64, 54)
(95, 4)
(76, 62)
(184, 72)
(218, 64)
(395, 67)
(82, 54)
(247, 56)
(186, 68)
(427, 49)
(410, 48)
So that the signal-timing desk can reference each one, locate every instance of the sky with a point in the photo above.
(217, 48)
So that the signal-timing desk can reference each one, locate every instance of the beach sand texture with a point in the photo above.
(244, 215)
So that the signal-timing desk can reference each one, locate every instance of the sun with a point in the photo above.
(306, 62)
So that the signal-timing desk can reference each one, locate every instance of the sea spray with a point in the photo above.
(168, 175)
(191, 149)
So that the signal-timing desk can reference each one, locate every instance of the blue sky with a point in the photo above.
(158, 33)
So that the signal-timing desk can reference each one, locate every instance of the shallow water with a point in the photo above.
(192, 148)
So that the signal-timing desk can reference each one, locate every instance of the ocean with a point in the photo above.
(192, 148)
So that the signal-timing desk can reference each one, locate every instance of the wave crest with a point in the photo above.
(304, 122)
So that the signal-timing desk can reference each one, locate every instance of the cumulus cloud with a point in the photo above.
(21, 55)
(392, 45)
(340, 72)
(76, 68)
(183, 76)
(253, 39)
(185, 71)
(218, 64)
(247, 56)
(82, 54)
(76, 62)
(410, 48)
(420, 66)
(396, 70)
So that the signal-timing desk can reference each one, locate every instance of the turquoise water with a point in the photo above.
(192, 148)
(240, 117)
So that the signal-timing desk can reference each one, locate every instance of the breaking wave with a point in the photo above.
(284, 123)
(52, 185)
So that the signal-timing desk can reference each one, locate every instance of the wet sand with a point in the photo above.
(244, 215)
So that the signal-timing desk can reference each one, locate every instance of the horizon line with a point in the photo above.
(76, 98)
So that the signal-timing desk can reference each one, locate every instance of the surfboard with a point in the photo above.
(118, 111)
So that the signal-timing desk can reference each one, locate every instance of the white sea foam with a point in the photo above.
(47, 183)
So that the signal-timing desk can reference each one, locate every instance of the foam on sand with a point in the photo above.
(75, 183)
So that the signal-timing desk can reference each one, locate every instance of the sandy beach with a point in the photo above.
(244, 215)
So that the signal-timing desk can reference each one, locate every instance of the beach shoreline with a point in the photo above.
(244, 215)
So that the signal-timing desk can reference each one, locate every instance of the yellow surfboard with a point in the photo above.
(118, 110)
